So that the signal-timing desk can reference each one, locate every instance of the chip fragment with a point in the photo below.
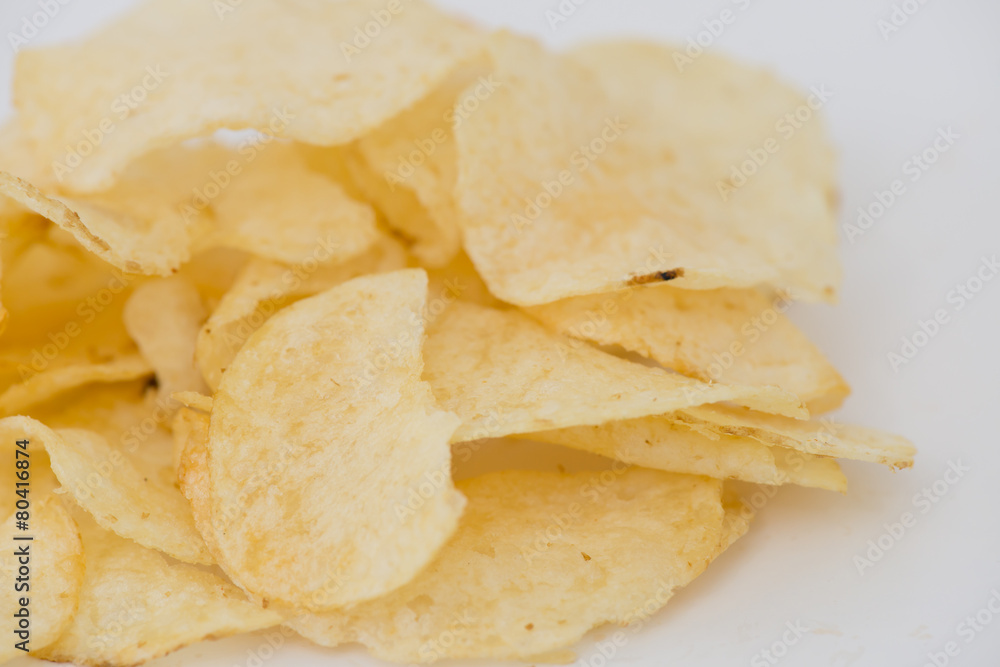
(822, 437)
(667, 443)
(322, 427)
(538, 560)
(725, 335)
(503, 373)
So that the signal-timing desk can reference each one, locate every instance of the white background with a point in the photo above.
(941, 69)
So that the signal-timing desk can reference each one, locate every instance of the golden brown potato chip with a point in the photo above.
(822, 437)
(725, 335)
(163, 317)
(316, 77)
(263, 288)
(123, 492)
(503, 373)
(53, 559)
(52, 382)
(136, 605)
(621, 190)
(322, 427)
(667, 443)
(540, 559)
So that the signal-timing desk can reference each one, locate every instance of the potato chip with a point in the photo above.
(277, 208)
(621, 189)
(164, 317)
(52, 382)
(503, 373)
(122, 492)
(786, 213)
(263, 288)
(136, 605)
(194, 400)
(459, 280)
(822, 437)
(191, 446)
(155, 246)
(540, 559)
(725, 335)
(322, 426)
(54, 557)
(312, 79)
(667, 443)
(408, 168)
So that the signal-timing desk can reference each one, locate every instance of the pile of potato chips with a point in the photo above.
(279, 277)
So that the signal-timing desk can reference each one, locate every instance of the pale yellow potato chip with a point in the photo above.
(666, 443)
(402, 211)
(503, 373)
(458, 280)
(137, 605)
(570, 184)
(725, 335)
(540, 559)
(54, 560)
(316, 77)
(322, 427)
(191, 445)
(52, 382)
(155, 245)
(164, 317)
(124, 493)
(823, 437)
(275, 207)
(714, 118)
(263, 288)
(408, 167)
(131, 416)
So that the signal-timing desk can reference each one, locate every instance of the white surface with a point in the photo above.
(941, 69)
